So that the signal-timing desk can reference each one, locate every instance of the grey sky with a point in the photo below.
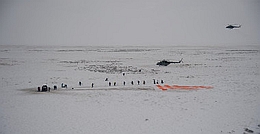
(129, 22)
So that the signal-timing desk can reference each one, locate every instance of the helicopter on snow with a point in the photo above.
(233, 26)
(166, 63)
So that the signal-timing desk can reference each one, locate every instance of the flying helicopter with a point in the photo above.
(233, 26)
(166, 63)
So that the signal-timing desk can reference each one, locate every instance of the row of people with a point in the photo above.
(124, 82)
(45, 88)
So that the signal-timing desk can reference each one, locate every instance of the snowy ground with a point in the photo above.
(232, 106)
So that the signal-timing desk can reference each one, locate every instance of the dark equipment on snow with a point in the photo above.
(44, 88)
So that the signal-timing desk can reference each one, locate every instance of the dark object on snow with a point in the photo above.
(138, 82)
(124, 82)
(80, 83)
(109, 83)
(54, 87)
(92, 85)
(39, 89)
(63, 85)
(44, 88)
(106, 79)
(248, 130)
(114, 83)
(144, 82)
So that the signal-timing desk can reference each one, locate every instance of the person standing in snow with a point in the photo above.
(162, 82)
(132, 82)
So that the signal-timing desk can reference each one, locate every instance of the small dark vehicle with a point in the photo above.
(44, 88)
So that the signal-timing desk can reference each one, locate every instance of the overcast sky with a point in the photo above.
(129, 22)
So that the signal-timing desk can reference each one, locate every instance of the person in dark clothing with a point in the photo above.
(132, 82)
(162, 81)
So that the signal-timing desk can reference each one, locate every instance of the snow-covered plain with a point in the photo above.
(231, 106)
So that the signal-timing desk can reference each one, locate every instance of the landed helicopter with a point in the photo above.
(166, 63)
(233, 26)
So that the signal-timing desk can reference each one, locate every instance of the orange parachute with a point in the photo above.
(165, 87)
